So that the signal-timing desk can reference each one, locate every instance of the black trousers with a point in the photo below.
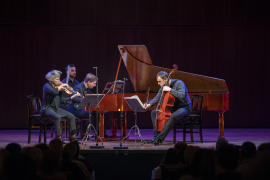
(85, 115)
(57, 120)
(178, 114)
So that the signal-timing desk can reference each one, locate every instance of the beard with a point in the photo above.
(72, 76)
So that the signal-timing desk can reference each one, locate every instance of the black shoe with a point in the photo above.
(157, 142)
(151, 141)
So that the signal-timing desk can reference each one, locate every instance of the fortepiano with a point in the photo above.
(139, 65)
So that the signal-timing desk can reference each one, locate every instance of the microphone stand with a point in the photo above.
(97, 125)
(121, 117)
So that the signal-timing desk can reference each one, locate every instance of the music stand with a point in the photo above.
(136, 105)
(118, 87)
(90, 100)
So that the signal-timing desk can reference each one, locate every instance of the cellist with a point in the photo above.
(182, 105)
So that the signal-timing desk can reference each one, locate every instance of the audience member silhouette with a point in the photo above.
(170, 157)
(43, 147)
(50, 166)
(247, 152)
(86, 162)
(181, 147)
(70, 151)
(263, 147)
(13, 148)
(227, 157)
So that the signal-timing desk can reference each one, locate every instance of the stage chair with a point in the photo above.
(35, 119)
(194, 120)
(78, 122)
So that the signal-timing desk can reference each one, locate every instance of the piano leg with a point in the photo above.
(101, 126)
(221, 123)
(124, 125)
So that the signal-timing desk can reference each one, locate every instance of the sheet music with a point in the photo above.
(132, 105)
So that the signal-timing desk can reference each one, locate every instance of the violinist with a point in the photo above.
(182, 105)
(83, 88)
(52, 97)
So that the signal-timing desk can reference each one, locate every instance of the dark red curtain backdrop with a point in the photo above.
(226, 39)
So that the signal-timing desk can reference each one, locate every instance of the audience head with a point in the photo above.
(180, 148)
(69, 152)
(248, 150)
(77, 149)
(259, 167)
(57, 146)
(263, 147)
(34, 153)
(170, 157)
(221, 142)
(13, 148)
(50, 162)
(190, 153)
(42, 147)
(227, 157)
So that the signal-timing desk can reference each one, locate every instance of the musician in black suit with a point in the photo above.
(182, 104)
(83, 88)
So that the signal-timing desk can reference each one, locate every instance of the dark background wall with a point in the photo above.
(225, 39)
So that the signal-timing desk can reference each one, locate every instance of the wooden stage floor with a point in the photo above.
(234, 136)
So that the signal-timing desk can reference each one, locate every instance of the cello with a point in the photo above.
(165, 104)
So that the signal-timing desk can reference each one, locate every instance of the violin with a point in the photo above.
(165, 104)
(68, 90)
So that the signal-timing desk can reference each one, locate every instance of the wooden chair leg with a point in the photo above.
(61, 125)
(29, 133)
(201, 134)
(51, 132)
(65, 129)
(191, 133)
(184, 133)
(40, 133)
(45, 131)
(174, 134)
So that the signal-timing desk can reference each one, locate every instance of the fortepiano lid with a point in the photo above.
(139, 66)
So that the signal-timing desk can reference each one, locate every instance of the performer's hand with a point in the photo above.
(62, 86)
(146, 105)
(75, 95)
(166, 88)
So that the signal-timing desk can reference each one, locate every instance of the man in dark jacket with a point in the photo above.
(83, 88)
(182, 104)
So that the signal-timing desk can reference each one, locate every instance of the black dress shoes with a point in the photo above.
(151, 141)
(157, 142)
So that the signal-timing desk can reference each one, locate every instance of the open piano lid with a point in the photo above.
(143, 73)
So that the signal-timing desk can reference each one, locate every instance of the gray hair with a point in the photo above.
(50, 76)
(162, 75)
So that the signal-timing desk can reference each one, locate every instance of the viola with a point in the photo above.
(165, 104)
(68, 90)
